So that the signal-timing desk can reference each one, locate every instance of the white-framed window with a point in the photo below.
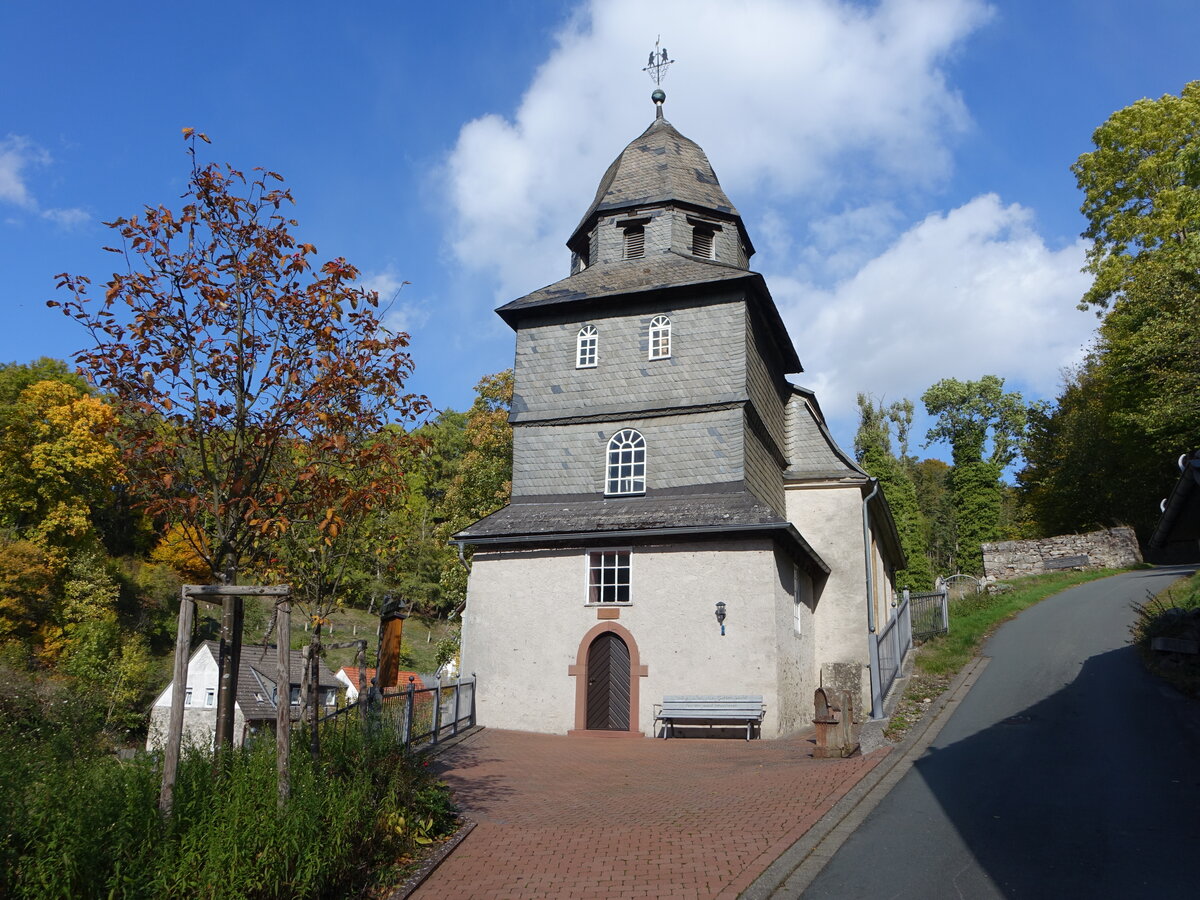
(635, 242)
(187, 697)
(626, 464)
(703, 244)
(660, 337)
(802, 597)
(586, 345)
(608, 578)
(210, 697)
(294, 695)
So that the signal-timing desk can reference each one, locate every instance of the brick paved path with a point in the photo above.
(576, 817)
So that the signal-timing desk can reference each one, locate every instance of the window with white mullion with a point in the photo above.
(660, 337)
(626, 464)
(586, 347)
(608, 576)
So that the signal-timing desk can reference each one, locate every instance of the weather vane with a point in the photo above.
(659, 63)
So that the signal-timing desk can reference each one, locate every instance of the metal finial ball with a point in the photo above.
(659, 96)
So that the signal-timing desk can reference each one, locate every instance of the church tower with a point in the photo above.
(652, 433)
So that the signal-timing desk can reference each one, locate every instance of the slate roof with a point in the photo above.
(664, 270)
(256, 676)
(812, 451)
(715, 514)
(659, 166)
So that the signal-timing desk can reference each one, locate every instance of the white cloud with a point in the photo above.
(397, 316)
(961, 294)
(17, 155)
(793, 99)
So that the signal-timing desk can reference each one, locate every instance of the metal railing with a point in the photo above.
(418, 717)
(930, 614)
(894, 641)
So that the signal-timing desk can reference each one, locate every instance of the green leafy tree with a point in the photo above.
(1141, 190)
(970, 415)
(873, 448)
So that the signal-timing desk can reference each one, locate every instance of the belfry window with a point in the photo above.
(626, 467)
(635, 242)
(702, 242)
(586, 345)
(660, 337)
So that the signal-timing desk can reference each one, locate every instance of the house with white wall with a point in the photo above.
(665, 468)
(254, 706)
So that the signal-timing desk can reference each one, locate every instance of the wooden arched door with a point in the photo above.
(608, 684)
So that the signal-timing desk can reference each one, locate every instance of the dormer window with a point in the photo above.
(660, 337)
(703, 244)
(635, 242)
(586, 343)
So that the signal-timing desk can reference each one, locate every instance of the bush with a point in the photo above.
(80, 825)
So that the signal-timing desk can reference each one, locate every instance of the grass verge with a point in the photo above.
(1174, 614)
(972, 619)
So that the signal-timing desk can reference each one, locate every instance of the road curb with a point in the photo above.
(796, 868)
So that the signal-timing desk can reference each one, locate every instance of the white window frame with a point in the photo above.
(602, 573)
(587, 347)
(660, 337)
(210, 698)
(801, 597)
(625, 464)
(187, 697)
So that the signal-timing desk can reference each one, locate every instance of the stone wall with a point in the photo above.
(1109, 549)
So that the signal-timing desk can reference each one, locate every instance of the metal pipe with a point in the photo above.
(872, 641)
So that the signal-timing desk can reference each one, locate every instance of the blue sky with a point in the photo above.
(902, 166)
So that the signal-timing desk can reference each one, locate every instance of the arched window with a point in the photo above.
(626, 471)
(586, 343)
(660, 337)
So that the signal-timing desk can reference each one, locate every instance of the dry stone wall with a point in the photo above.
(1109, 549)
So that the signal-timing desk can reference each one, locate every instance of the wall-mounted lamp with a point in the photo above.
(721, 615)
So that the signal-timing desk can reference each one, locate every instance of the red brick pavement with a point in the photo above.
(581, 817)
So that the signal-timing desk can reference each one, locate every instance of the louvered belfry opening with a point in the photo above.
(635, 242)
(608, 684)
(702, 242)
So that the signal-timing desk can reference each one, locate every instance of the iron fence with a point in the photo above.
(418, 717)
(894, 641)
(930, 614)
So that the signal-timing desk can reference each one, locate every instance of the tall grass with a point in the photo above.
(88, 825)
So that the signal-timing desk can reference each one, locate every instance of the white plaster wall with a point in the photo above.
(798, 674)
(525, 618)
(829, 516)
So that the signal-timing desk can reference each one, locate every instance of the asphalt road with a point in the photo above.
(1067, 771)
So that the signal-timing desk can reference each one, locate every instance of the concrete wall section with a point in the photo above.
(526, 616)
(696, 449)
(707, 361)
(796, 670)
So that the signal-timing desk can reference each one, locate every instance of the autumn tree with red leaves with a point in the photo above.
(243, 375)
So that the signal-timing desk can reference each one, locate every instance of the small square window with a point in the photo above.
(608, 576)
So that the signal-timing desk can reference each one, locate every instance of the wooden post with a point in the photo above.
(183, 636)
(389, 653)
(314, 691)
(283, 697)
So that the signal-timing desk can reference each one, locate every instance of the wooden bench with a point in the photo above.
(713, 710)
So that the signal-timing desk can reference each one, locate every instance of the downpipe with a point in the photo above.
(872, 639)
